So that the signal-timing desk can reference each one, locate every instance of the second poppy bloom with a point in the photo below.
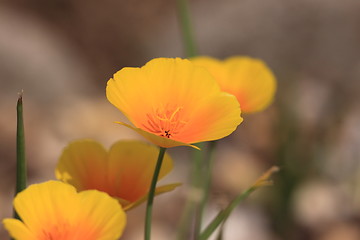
(173, 102)
(124, 172)
(249, 79)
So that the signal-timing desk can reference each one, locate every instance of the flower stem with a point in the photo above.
(150, 200)
(206, 184)
(195, 195)
(187, 32)
(197, 157)
(20, 151)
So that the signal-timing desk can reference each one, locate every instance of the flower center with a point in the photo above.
(165, 121)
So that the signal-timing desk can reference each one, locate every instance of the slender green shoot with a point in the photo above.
(21, 174)
(186, 28)
(207, 167)
(195, 192)
(149, 205)
(225, 213)
(221, 232)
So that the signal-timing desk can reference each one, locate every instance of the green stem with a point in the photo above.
(20, 151)
(186, 28)
(150, 200)
(224, 214)
(208, 163)
(193, 199)
(221, 232)
(197, 157)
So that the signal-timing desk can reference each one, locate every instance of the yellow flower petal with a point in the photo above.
(75, 160)
(214, 66)
(131, 168)
(249, 79)
(163, 100)
(216, 126)
(18, 230)
(125, 172)
(53, 210)
(96, 206)
(39, 204)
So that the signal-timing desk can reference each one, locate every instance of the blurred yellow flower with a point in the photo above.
(54, 210)
(125, 172)
(249, 79)
(172, 102)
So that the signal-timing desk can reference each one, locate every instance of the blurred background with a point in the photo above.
(62, 52)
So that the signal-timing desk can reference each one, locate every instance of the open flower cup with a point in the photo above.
(173, 102)
(249, 79)
(54, 210)
(124, 172)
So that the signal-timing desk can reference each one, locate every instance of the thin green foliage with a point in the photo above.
(21, 174)
(221, 232)
(192, 203)
(225, 213)
(186, 28)
(149, 205)
(197, 157)
(205, 184)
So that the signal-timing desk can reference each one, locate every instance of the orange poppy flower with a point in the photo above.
(54, 210)
(124, 172)
(173, 102)
(249, 79)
